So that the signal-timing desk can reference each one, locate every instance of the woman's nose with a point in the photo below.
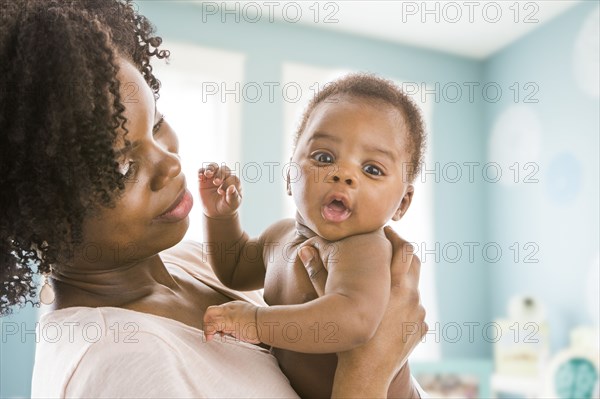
(167, 167)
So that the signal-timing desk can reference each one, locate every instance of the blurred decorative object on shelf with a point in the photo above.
(523, 346)
(525, 308)
(454, 378)
(573, 372)
(527, 387)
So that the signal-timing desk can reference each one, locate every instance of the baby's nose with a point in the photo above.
(337, 179)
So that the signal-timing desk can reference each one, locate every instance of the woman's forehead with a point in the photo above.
(137, 98)
(134, 88)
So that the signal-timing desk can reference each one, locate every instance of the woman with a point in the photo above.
(93, 197)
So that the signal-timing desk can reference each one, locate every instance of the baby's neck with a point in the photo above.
(303, 230)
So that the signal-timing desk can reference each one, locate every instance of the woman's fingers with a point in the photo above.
(414, 270)
(404, 295)
(314, 267)
(402, 253)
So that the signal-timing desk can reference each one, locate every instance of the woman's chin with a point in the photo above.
(175, 233)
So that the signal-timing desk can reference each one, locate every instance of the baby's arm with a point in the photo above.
(235, 258)
(347, 316)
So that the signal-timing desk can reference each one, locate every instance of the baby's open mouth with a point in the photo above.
(335, 211)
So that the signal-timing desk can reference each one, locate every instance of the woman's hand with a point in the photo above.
(367, 371)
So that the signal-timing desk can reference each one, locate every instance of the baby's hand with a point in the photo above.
(220, 191)
(235, 318)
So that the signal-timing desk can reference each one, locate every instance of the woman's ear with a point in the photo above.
(405, 203)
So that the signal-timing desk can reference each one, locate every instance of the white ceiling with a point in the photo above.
(473, 35)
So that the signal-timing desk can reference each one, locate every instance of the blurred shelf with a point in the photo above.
(529, 387)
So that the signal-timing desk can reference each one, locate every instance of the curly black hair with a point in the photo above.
(371, 87)
(60, 110)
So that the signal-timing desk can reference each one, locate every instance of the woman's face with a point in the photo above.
(152, 212)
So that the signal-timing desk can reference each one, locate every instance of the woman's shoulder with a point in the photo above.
(93, 322)
(70, 332)
(190, 256)
(69, 339)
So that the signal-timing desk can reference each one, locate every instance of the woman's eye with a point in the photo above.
(373, 170)
(126, 169)
(156, 127)
(323, 157)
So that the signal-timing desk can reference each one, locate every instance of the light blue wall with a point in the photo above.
(17, 351)
(560, 213)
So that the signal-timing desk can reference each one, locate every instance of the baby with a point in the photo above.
(356, 153)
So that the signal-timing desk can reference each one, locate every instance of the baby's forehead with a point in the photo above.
(352, 108)
(350, 103)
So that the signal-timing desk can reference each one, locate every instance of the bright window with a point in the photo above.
(208, 127)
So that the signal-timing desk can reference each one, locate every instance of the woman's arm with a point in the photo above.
(368, 371)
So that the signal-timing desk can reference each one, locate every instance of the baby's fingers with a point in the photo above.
(213, 321)
(221, 174)
(233, 197)
(211, 328)
(207, 174)
(231, 189)
(213, 312)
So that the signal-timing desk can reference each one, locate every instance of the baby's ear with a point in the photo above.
(288, 186)
(405, 203)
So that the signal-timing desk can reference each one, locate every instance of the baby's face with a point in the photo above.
(348, 176)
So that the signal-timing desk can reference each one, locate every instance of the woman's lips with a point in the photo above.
(181, 209)
(335, 212)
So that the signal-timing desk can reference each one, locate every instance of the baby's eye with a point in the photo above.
(323, 157)
(373, 170)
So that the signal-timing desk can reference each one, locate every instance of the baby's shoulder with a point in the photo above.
(376, 237)
(367, 245)
(280, 230)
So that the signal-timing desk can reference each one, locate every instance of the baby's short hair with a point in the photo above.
(371, 87)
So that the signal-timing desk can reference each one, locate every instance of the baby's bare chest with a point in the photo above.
(287, 283)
